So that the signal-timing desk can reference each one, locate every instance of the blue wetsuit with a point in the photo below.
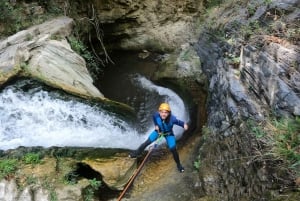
(166, 128)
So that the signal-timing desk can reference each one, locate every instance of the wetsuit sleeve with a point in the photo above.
(177, 121)
(155, 119)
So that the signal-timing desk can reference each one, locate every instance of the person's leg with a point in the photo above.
(171, 142)
(152, 137)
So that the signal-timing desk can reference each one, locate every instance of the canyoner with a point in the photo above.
(163, 121)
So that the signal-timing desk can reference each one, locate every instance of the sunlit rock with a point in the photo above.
(116, 171)
(34, 54)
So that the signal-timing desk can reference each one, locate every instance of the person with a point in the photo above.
(163, 121)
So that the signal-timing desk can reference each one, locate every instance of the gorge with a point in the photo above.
(234, 65)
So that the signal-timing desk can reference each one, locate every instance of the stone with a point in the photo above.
(33, 54)
(116, 171)
(57, 65)
(288, 5)
(8, 190)
(151, 25)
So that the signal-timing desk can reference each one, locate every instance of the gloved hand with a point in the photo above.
(185, 126)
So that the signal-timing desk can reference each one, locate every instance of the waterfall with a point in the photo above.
(39, 119)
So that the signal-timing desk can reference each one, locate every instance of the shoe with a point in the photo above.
(133, 154)
(180, 168)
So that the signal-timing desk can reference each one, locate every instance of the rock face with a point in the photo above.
(115, 170)
(32, 53)
(265, 78)
(65, 174)
(274, 75)
(152, 25)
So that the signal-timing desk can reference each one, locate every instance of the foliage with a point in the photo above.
(70, 178)
(49, 186)
(283, 137)
(213, 3)
(6, 11)
(91, 61)
(14, 16)
(205, 132)
(7, 167)
(31, 180)
(255, 129)
(32, 158)
(89, 191)
(95, 184)
(197, 163)
(250, 29)
(53, 196)
(9, 17)
(267, 2)
(287, 139)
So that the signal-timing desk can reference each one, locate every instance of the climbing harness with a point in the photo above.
(137, 171)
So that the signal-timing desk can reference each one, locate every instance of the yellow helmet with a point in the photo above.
(164, 106)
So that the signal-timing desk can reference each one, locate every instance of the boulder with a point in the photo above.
(56, 64)
(33, 53)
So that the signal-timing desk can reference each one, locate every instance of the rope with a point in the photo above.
(136, 172)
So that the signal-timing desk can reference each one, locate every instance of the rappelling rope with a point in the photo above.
(136, 172)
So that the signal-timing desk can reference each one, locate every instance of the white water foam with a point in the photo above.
(40, 120)
(177, 105)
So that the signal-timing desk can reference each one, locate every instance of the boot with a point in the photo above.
(141, 148)
(176, 159)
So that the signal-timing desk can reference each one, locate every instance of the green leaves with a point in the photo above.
(32, 158)
(7, 167)
(282, 136)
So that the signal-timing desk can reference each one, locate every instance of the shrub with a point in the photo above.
(287, 139)
(32, 158)
(282, 136)
(7, 167)
(92, 62)
(6, 11)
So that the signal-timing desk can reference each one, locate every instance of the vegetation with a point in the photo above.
(9, 17)
(32, 158)
(282, 138)
(90, 190)
(31, 180)
(7, 167)
(212, 3)
(6, 11)
(49, 186)
(286, 137)
(92, 62)
(197, 163)
(18, 15)
(273, 22)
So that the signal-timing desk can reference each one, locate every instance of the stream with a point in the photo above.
(31, 115)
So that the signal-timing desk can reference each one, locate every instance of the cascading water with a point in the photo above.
(36, 118)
